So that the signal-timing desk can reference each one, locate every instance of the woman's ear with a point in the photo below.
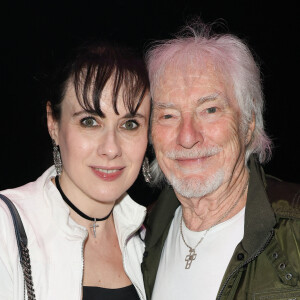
(52, 123)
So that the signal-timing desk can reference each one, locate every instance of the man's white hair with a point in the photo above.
(196, 45)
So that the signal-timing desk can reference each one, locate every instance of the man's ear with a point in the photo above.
(250, 130)
(52, 124)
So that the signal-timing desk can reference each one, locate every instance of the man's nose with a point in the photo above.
(189, 133)
(109, 145)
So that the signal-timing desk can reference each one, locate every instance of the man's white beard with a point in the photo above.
(194, 188)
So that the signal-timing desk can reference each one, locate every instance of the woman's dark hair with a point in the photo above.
(90, 68)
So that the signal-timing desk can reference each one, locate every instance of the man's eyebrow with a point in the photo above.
(201, 100)
(163, 105)
(211, 97)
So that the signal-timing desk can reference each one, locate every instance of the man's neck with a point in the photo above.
(203, 213)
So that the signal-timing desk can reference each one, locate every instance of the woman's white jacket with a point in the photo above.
(56, 242)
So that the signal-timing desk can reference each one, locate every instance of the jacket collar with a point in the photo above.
(128, 217)
(259, 216)
(161, 216)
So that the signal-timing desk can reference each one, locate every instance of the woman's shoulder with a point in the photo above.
(29, 202)
(28, 192)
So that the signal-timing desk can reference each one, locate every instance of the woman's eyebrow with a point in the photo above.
(129, 115)
(84, 112)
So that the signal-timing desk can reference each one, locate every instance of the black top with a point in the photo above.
(96, 293)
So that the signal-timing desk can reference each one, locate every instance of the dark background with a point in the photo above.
(36, 34)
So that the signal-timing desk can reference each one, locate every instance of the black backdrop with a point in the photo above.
(35, 34)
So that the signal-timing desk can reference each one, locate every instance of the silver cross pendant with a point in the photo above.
(94, 227)
(190, 257)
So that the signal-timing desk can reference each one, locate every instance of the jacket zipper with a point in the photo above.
(245, 263)
(124, 263)
(82, 259)
(135, 285)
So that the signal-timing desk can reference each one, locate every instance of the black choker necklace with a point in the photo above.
(79, 211)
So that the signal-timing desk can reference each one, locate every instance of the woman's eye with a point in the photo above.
(211, 110)
(130, 125)
(89, 122)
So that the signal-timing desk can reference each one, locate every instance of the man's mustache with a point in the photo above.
(193, 153)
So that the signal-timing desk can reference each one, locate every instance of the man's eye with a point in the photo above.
(211, 110)
(167, 117)
(130, 125)
(89, 122)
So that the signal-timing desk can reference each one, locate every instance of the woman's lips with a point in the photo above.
(108, 174)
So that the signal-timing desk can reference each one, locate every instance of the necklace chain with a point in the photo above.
(192, 255)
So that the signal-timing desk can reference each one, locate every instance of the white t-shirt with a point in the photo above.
(203, 279)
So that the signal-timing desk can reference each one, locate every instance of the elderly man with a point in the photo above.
(221, 229)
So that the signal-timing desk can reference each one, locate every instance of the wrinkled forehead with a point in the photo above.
(191, 77)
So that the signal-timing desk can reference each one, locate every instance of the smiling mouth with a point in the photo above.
(192, 163)
(199, 159)
(192, 158)
(107, 171)
(108, 174)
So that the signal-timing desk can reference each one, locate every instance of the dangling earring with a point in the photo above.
(146, 170)
(57, 158)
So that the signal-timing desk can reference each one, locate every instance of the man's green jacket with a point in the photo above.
(266, 263)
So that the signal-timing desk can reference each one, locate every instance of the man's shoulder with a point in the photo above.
(284, 197)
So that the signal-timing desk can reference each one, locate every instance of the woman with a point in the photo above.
(82, 227)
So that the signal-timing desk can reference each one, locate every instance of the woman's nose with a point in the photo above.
(110, 145)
